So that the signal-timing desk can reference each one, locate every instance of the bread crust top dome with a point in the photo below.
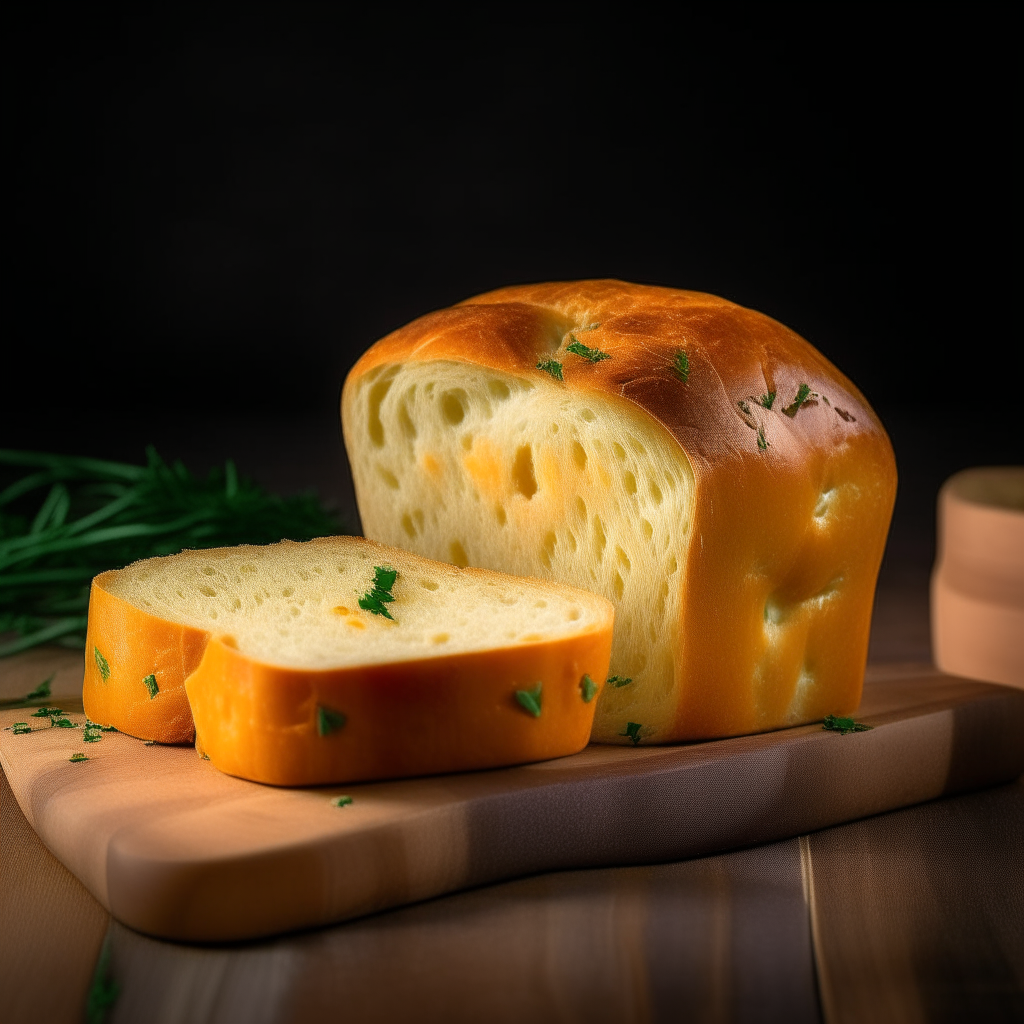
(763, 463)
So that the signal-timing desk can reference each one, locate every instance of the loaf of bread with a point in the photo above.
(696, 462)
(340, 659)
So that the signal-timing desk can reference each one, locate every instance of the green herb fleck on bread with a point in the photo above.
(529, 700)
(379, 595)
(328, 720)
(593, 355)
(551, 366)
(588, 688)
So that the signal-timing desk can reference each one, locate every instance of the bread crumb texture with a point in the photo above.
(297, 605)
(735, 514)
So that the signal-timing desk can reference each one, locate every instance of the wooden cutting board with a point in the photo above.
(176, 849)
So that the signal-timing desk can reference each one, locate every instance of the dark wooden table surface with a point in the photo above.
(916, 915)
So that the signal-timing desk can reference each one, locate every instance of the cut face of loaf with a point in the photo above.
(695, 462)
(476, 467)
(415, 664)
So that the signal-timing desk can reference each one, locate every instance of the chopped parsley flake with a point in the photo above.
(379, 595)
(551, 366)
(588, 688)
(802, 394)
(633, 732)
(762, 441)
(767, 400)
(328, 720)
(833, 723)
(619, 681)
(150, 684)
(48, 713)
(62, 723)
(529, 700)
(593, 355)
(342, 801)
(101, 663)
(20, 728)
(75, 758)
(681, 366)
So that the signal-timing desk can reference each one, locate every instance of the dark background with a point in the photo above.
(212, 215)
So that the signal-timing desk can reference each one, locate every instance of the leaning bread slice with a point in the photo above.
(340, 659)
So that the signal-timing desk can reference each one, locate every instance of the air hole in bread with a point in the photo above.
(457, 554)
(571, 538)
(618, 586)
(388, 477)
(453, 406)
(440, 638)
(587, 415)
(629, 482)
(500, 515)
(548, 549)
(288, 591)
(581, 508)
(540, 604)
(662, 598)
(648, 530)
(623, 558)
(529, 637)
(208, 570)
(574, 614)
(656, 496)
(579, 455)
(499, 390)
(341, 610)
(408, 526)
(208, 591)
(406, 423)
(523, 477)
(620, 452)
(599, 538)
(467, 441)
(378, 393)
(672, 565)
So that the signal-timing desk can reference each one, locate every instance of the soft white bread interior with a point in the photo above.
(695, 462)
(296, 605)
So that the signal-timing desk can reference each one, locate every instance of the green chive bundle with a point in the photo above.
(64, 519)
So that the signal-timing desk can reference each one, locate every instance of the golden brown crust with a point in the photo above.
(760, 474)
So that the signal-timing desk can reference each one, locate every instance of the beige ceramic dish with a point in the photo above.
(978, 581)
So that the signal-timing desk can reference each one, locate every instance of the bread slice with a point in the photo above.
(697, 463)
(341, 659)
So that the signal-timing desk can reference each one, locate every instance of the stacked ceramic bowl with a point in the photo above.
(978, 582)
